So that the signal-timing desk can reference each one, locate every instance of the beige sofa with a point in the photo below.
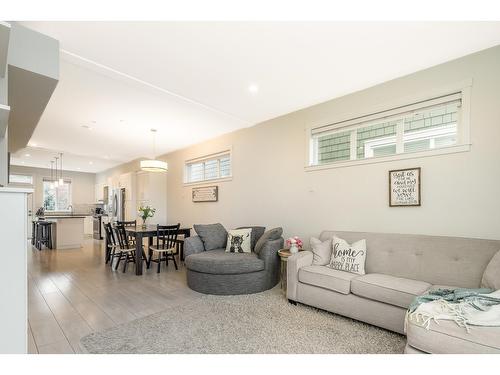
(399, 267)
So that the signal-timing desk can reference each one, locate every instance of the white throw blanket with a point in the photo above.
(462, 313)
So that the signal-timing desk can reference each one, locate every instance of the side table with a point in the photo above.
(284, 255)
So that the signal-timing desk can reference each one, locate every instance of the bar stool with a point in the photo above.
(43, 234)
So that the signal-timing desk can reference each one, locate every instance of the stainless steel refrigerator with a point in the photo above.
(118, 205)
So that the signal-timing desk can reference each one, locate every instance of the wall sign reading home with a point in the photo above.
(404, 187)
(206, 194)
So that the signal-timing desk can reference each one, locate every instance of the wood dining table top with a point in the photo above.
(150, 229)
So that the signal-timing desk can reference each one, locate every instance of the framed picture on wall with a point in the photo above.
(404, 187)
(206, 194)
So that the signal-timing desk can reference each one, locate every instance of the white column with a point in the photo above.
(13, 278)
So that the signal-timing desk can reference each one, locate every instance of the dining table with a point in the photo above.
(150, 231)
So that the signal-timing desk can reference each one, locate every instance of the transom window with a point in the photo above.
(208, 168)
(420, 127)
(56, 198)
(20, 179)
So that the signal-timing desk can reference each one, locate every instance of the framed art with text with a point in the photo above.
(206, 194)
(404, 187)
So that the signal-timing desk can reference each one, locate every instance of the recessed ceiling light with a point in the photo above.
(253, 88)
(27, 155)
(91, 162)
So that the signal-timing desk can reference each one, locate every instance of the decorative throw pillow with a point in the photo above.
(491, 275)
(270, 235)
(349, 258)
(257, 233)
(213, 236)
(239, 241)
(322, 251)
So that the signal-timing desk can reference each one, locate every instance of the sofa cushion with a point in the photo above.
(257, 233)
(270, 235)
(322, 251)
(213, 236)
(491, 275)
(448, 337)
(239, 241)
(388, 289)
(327, 278)
(348, 257)
(219, 262)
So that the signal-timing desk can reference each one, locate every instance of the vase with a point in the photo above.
(294, 248)
(143, 226)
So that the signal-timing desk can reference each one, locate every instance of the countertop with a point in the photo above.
(65, 217)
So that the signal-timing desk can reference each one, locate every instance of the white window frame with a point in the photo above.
(70, 198)
(22, 183)
(351, 121)
(206, 158)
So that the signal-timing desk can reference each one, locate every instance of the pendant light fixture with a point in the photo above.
(153, 165)
(61, 181)
(52, 174)
(56, 181)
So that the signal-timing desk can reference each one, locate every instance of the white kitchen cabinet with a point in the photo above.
(127, 181)
(113, 182)
(99, 197)
(142, 186)
(88, 226)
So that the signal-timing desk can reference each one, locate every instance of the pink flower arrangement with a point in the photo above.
(294, 241)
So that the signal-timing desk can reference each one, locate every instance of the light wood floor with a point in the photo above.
(72, 293)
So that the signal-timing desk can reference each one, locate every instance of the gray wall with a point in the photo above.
(271, 187)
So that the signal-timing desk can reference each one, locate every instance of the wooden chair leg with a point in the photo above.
(159, 263)
(175, 263)
(118, 263)
(108, 254)
(125, 264)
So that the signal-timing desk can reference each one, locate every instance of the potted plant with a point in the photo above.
(145, 213)
(294, 244)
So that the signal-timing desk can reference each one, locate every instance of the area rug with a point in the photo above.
(257, 323)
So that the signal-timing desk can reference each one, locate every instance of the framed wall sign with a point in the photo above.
(404, 187)
(206, 194)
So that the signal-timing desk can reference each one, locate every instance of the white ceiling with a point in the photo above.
(190, 80)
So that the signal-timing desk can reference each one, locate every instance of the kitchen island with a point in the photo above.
(67, 231)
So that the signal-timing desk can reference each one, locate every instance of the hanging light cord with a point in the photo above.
(154, 142)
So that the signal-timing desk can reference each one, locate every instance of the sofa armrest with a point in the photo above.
(269, 252)
(193, 245)
(294, 264)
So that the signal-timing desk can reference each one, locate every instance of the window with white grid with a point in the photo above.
(416, 128)
(208, 168)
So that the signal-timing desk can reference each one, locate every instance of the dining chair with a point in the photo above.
(111, 244)
(130, 223)
(127, 249)
(166, 245)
